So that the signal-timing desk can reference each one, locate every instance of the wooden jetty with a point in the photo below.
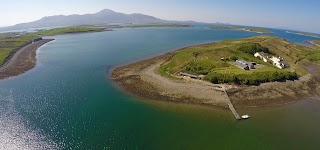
(233, 110)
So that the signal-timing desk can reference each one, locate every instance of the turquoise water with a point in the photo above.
(68, 102)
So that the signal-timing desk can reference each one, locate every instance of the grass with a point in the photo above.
(248, 29)
(314, 56)
(317, 42)
(206, 59)
(68, 30)
(157, 25)
(3, 54)
(10, 42)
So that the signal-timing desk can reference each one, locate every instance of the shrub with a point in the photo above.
(252, 48)
(234, 58)
(198, 67)
(252, 79)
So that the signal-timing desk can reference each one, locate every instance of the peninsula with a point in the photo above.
(155, 25)
(18, 50)
(203, 74)
(316, 43)
(305, 34)
(247, 29)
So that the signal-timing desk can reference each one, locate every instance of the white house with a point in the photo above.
(262, 56)
(278, 62)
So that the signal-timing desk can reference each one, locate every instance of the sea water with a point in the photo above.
(68, 101)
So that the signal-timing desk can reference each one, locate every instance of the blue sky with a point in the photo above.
(292, 14)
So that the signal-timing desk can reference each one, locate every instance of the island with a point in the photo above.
(158, 25)
(228, 74)
(69, 30)
(247, 29)
(305, 34)
(316, 43)
(155, 25)
(18, 50)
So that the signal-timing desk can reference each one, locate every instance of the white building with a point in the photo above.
(262, 56)
(278, 62)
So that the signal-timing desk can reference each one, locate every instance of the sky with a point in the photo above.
(302, 15)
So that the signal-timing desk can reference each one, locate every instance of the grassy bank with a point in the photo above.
(11, 42)
(206, 60)
(248, 29)
(66, 30)
(316, 42)
(157, 25)
(308, 34)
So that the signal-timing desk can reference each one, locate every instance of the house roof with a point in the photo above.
(261, 53)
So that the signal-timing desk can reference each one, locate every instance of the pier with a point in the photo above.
(233, 110)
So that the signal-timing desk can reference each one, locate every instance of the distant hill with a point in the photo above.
(103, 17)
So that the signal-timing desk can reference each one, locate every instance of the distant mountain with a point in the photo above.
(103, 17)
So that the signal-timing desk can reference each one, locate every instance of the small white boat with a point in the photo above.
(245, 116)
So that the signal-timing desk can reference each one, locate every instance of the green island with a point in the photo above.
(217, 61)
(309, 34)
(153, 25)
(248, 29)
(11, 42)
(306, 34)
(210, 74)
(68, 30)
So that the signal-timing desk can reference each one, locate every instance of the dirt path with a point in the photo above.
(208, 93)
(23, 60)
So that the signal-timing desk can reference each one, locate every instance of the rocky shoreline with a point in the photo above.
(22, 60)
(142, 80)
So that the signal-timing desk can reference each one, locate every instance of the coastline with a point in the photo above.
(22, 60)
(141, 80)
(315, 44)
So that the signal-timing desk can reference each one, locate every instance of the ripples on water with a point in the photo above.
(66, 103)
(15, 134)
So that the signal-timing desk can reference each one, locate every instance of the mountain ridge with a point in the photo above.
(103, 17)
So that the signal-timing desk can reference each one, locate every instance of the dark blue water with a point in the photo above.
(68, 101)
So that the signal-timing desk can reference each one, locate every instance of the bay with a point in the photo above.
(68, 101)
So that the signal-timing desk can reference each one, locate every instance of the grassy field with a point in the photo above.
(157, 25)
(316, 42)
(257, 30)
(206, 59)
(68, 30)
(10, 42)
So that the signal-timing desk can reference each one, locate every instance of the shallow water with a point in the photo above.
(68, 102)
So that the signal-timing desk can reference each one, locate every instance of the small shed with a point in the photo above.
(242, 64)
(201, 77)
(188, 75)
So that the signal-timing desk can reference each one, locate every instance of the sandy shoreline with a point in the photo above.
(141, 79)
(22, 60)
(315, 44)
